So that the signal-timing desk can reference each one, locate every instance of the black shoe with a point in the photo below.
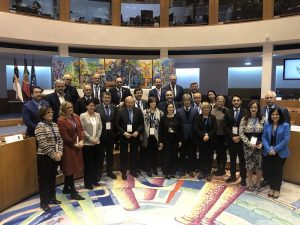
(134, 174)
(149, 174)
(76, 196)
(90, 187)
(55, 202)
(155, 172)
(124, 176)
(216, 173)
(46, 208)
(231, 179)
(96, 184)
(172, 175)
(112, 175)
(264, 183)
(66, 191)
(243, 182)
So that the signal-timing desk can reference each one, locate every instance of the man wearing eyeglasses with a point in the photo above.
(69, 89)
(232, 119)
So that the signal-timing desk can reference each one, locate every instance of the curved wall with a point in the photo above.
(27, 29)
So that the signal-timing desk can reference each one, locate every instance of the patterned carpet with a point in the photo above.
(157, 201)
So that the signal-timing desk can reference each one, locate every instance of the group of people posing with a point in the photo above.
(79, 133)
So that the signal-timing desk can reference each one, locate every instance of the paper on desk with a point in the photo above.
(295, 128)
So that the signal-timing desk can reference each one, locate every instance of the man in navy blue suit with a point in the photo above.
(176, 89)
(31, 109)
(158, 92)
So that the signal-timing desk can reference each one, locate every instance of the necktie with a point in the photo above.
(138, 104)
(267, 113)
(236, 115)
(119, 94)
(107, 112)
(96, 91)
(173, 91)
(39, 105)
(130, 115)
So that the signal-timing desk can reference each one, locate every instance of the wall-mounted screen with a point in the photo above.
(291, 69)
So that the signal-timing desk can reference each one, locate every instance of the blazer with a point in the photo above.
(285, 112)
(114, 95)
(164, 125)
(187, 124)
(144, 104)
(88, 127)
(163, 106)
(229, 121)
(102, 89)
(112, 133)
(123, 119)
(72, 91)
(30, 114)
(179, 92)
(199, 128)
(55, 103)
(282, 139)
(153, 93)
(81, 105)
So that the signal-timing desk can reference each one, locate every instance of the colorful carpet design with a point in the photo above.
(156, 201)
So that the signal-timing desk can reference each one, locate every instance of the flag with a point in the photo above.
(25, 82)
(33, 75)
(16, 82)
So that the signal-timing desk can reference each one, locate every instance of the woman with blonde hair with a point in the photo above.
(72, 134)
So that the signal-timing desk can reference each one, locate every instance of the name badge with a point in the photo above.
(56, 147)
(108, 125)
(253, 140)
(129, 128)
(171, 130)
(235, 130)
(151, 130)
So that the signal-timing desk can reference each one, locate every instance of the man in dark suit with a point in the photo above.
(232, 119)
(130, 124)
(69, 89)
(197, 102)
(57, 97)
(169, 99)
(119, 93)
(30, 111)
(108, 113)
(193, 89)
(81, 102)
(186, 116)
(176, 89)
(158, 92)
(97, 89)
(270, 99)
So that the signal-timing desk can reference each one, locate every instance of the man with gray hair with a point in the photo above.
(81, 102)
(176, 89)
(57, 97)
(69, 89)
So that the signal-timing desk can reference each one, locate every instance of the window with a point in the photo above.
(188, 12)
(41, 8)
(239, 10)
(140, 13)
(286, 7)
(91, 11)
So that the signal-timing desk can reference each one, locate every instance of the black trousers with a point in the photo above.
(134, 145)
(152, 153)
(275, 169)
(221, 152)
(188, 156)
(236, 150)
(265, 168)
(106, 150)
(91, 163)
(206, 157)
(70, 184)
(47, 169)
(170, 155)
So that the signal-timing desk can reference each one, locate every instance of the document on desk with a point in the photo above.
(295, 128)
(13, 138)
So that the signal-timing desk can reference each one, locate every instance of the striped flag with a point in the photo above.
(16, 82)
(25, 82)
(33, 75)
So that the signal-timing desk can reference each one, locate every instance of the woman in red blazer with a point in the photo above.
(72, 134)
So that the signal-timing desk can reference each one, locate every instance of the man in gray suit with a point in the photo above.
(108, 113)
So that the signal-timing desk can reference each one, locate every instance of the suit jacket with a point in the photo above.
(123, 119)
(229, 121)
(187, 124)
(30, 113)
(88, 127)
(81, 105)
(102, 89)
(112, 133)
(72, 91)
(114, 95)
(153, 93)
(55, 103)
(285, 112)
(163, 106)
(211, 129)
(179, 92)
(282, 139)
(144, 104)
